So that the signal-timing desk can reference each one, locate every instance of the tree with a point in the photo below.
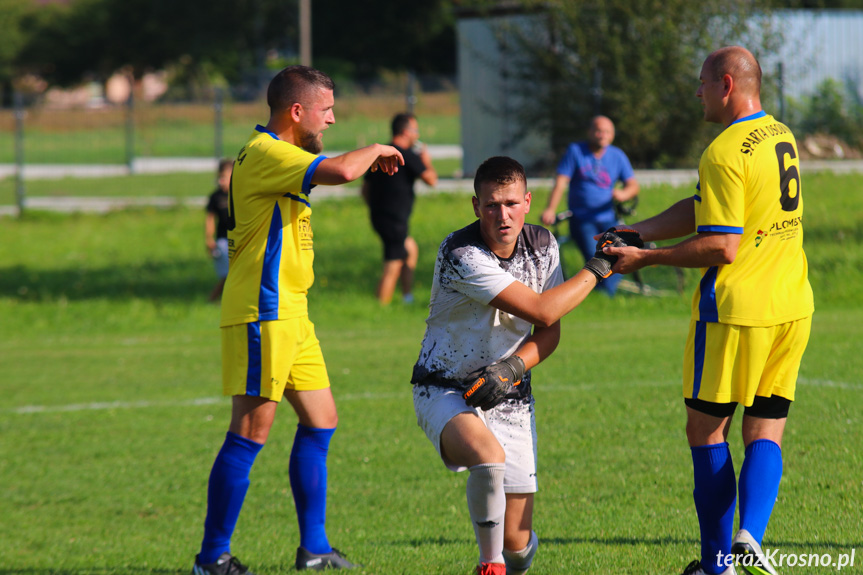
(636, 61)
(94, 38)
(393, 35)
(67, 43)
(12, 15)
(818, 4)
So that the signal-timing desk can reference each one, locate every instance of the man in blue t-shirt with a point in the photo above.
(590, 170)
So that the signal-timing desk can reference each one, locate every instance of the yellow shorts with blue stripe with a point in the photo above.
(726, 363)
(264, 358)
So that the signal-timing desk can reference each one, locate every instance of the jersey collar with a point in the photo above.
(263, 130)
(754, 116)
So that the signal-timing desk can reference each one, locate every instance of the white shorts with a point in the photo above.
(512, 422)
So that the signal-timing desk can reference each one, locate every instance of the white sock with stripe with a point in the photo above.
(486, 502)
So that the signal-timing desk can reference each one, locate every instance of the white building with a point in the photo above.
(817, 45)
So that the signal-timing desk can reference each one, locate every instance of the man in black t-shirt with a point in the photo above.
(216, 226)
(391, 200)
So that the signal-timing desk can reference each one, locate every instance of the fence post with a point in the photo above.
(130, 127)
(20, 191)
(410, 96)
(306, 32)
(217, 128)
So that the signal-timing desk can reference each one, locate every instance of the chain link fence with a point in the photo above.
(40, 139)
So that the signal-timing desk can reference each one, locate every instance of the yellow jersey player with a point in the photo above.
(751, 313)
(269, 348)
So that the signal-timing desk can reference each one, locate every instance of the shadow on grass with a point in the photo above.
(167, 281)
(443, 541)
(808, 545)
(813, 546)
(88, 571)
(819, 547)
(125, 570)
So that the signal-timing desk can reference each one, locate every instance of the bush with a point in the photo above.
(833, 109)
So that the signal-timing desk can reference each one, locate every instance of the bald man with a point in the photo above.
(591, 171)
(751, 313)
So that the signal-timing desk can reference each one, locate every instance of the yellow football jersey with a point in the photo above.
(749, 184)
(269, 231)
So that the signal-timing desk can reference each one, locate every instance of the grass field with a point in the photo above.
(99, 136)
(111, 418)
(177, 185)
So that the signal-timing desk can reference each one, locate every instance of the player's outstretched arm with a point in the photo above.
(544, 309)
(351, 165)
(675, 222)
(700, 251)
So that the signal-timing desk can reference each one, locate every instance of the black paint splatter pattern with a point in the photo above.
(463, 332)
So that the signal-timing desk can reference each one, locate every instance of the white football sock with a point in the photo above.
(486, 502)
(518, 562)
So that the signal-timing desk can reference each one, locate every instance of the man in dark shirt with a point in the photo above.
(216, 226)
(390, 203)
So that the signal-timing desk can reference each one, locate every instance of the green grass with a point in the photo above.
(177, 185)
(111, 418)
(196, 140)
(180, 185)
(180, 130)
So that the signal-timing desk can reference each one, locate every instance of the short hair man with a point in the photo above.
(216, 225)
(590, 171)
(269, 348)
(391, 200)
(497, 297)
(751, 313)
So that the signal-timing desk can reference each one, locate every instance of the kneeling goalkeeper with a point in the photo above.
(496, 302)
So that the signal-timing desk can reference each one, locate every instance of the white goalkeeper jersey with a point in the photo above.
(464, 333)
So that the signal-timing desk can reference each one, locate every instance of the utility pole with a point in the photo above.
(306, 32)
(410, 95)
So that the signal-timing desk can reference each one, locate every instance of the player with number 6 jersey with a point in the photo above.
(749, 184)
(752, 311)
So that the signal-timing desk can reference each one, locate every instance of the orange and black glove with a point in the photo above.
(600, 264)
(487, 387)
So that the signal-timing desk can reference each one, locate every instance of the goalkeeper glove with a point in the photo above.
(600, 264)
(489, 386)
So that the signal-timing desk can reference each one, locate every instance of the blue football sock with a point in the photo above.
(715, 496)
(308, 474)
(759, 485)
(229, 481)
